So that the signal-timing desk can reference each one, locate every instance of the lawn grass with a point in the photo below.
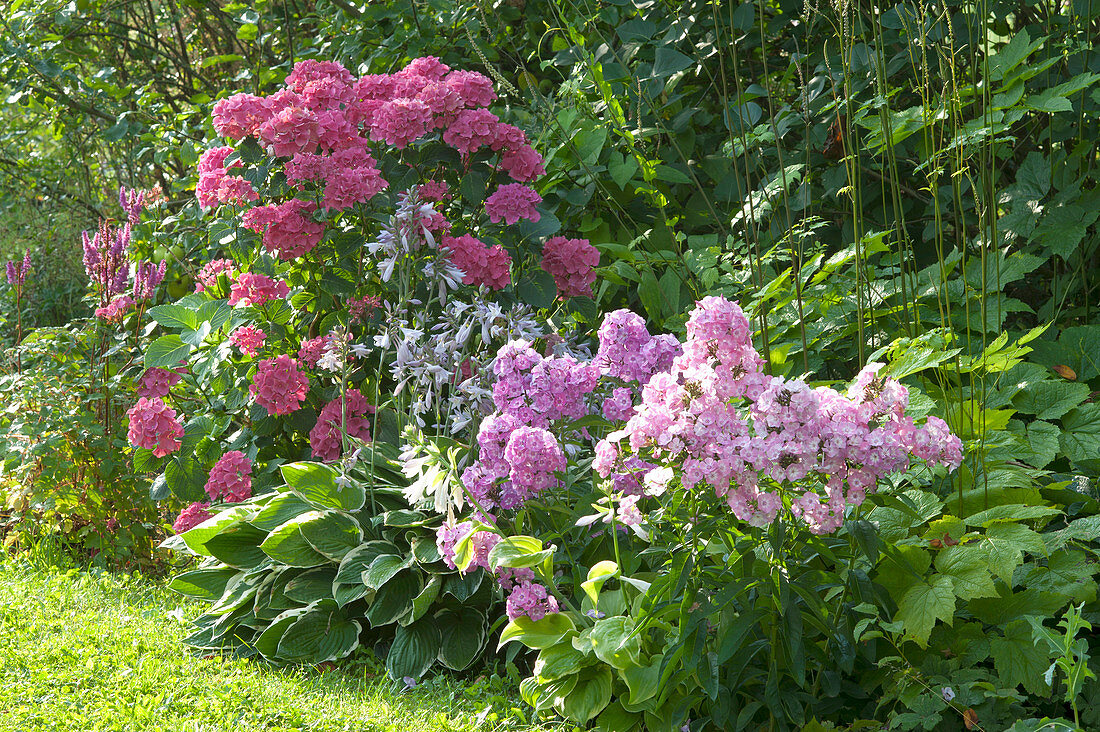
(95, 651)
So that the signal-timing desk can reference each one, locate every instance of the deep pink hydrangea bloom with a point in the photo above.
(287, 227)
(153, 425)
(279, 386)
(480, 264)
(400, 122)
(207, 277)
(249, 339)
(157, 382)
(512, 202)
(350, 175)
(191, 517)
(216, 185)
(290, 129)
(230, 478)
(310, 72)
(240, 115)
(470, 130)
(256, 289)
(434, 190)
(522, 163)
(312, 350)
(325, 439)
(572, 263)
(474, 89)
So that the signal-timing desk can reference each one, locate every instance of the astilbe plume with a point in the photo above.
(191, 516)
(230, 478)
(157, 382)
(256, 289)
(279, 386)
(326, 437)
(480, 264)
(146, 278)
(153, 425)
(572, 262)
(249, 339)
(17, 270)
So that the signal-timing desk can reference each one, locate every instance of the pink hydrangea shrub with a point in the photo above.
(216, 185)
(279, 386)
(240, 115)
(480, 264)
(572, 263)
(256, 289)
(207, 277)
(157, 382)
(288, 228)
(230, 478)
(153, 425)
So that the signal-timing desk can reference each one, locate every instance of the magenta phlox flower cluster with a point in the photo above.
(753, 438)
(534, 456)
(146, 278)
(572, 263)
(156, 382)
(530, 599)
(230, 478)
(115, 309)
(17, 270)
(511, 577)
(512, 202)
(326, 437)
(216, 185)
(249, 339)
(279, 386)
(288, 228)
(480, 264)
(153, 425)
(207, 277)
(256, 289)
(481, 543)
(191, 517)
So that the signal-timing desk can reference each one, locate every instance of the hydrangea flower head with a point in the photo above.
(279, 386)
(191, 517)
(512, 202)
(572, 263)
(249, 339)
(153, 425)
(326, 437)
(480, 264)
(256, 289)
(156, 382)
(230, 478)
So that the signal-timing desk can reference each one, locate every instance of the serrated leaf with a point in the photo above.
(174, 316)
(1019, 660)
(537, 289)
(166, 352)
(925, 603)
(1004, 544)
(1050, 399)
(966, 566)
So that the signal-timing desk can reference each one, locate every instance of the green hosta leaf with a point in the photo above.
(590, 695)
(345, 594)
(279, 510)
(358, 559)
(317, 483)
(287, 545)
(424, 601)
(615, 642)
(404, 518)
(966, 566)
(197, 537)
(1019, 660)
(268, 641)
(319, 635)
(174, 316)
(166, 352)
(204, 584)
(923, 604)
(414, 649)
(545, 632)
(643, 681)
(311, 586)
(238, 546)
(463, 586)
(558, 660)
(599, 573)
(394, 599)
(518, 551)
(333, 534)
(464, 636)
(383, 568)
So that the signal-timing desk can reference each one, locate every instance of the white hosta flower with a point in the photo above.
(331, 361)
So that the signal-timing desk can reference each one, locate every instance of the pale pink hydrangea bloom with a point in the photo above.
(311, 350)
(433, 190)
(572, 263)
(287, 227)
(256, 289)
(153, 425)
(279, 386)
(156, 382)
(191, 517)
(480, 264)
(326, 437)
(249, 339)
(230, 478)
(512, 202)
(216, 186)
(207, 277)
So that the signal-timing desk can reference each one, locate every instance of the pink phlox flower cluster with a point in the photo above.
(620, 405)
(326, 437)
(146, 278)
(481, 543)
(559, 386)
(255, 289)
(249, 339)
(511, 577)
(230, 478)
(216, 185)
(512, 202)
(628, 352)
(115, 309)
(534, 457)
(572, 262)
(18, 269)
(311, 350)
(156, 382)
(724, 423)
(279, 386)
(288, 227)
(207, 277)
(191, 517)
(153, 425)
(628, 475)
(530, 599)
(627, 511)
(480, 264)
